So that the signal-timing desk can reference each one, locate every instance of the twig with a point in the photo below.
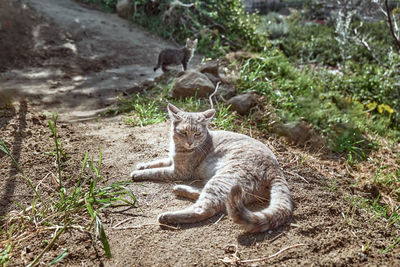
(389, 19)
(298, 175)
(273, 255)
(220, 218)
(121, 222)
(276, 237)
(215, 91)
(146, 224)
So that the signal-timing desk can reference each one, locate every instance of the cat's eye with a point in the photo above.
(182, 132)
(197, 134)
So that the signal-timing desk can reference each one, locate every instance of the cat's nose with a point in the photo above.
(190, 143)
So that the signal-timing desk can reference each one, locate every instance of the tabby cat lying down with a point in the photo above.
(235, 168)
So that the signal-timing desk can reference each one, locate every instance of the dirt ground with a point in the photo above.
(76, 60)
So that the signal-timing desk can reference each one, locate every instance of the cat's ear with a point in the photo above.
(208, 115)
(195, 41)
(173, 112)
(187, 40)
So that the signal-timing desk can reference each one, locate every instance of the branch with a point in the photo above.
(389, 18)
(273, 255)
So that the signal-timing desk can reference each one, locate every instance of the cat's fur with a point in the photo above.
(171, 56)
(235, 168)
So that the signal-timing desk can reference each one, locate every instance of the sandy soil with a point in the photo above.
(79, 61)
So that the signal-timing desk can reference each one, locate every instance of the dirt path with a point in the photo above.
(86, 59)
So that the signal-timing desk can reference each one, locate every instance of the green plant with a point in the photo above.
(68, 207)
(5, 254)
(109, 5)
(219, 25)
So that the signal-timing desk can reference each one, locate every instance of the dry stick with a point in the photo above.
(273, 255)
(220, 218)
(121, 222)
(215, 91)
(146, 224)
(298, 175)
(389, 19)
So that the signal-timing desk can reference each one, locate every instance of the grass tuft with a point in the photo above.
(69, 207)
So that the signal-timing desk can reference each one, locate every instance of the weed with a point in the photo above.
(382, 211)
(75, 207)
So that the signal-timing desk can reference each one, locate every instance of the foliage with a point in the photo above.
(317, 96)
(109, 5)
(74, 203)
(219, 25)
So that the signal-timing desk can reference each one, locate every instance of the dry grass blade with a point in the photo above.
(146, 224)
(273, 255)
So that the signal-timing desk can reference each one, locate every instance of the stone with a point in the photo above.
(243, 103)
(212, 78)
(125, 9)
(299, 133)
(209, 67)
(226, 91)
(192, 83)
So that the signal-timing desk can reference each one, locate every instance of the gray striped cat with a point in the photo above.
(170, 56)
(235, 168)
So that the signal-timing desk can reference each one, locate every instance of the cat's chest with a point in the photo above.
(209, 167)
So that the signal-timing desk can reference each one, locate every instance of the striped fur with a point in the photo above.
(235, 168)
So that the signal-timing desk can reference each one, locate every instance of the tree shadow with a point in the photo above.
(247, 239)
(15, 150)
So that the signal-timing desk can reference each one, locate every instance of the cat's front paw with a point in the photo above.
(142, 166)
(166, 218)
(137, 175)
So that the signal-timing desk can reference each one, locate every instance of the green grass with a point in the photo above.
(75, 203)
(376, 211)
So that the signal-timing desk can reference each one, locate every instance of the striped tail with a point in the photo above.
(277, 213)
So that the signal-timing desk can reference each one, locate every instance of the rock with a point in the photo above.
(299, 133)
(192, 83)
(243, 103)
(125, 9)
(212, 78)
(209, 67)
(226, 91)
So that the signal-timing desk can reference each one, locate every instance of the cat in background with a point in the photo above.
(171, 56)
(235, 168)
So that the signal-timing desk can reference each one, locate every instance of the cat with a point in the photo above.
(236, 170)
(171, 56)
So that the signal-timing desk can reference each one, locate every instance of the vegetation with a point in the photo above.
(339, 73)
(334, 75)
(74, 204)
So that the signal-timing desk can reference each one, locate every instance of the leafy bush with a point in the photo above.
(319, 97)
(220, 25)
(107, 4)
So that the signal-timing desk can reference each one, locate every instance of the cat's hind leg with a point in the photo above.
(187, 191)
(210, 202)
(197, 212)
(164, 68)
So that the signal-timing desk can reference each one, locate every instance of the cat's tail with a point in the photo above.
(277, 213)
(158, 63)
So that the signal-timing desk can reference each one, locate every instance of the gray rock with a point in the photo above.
(125, 9)
(212, 78)
(243, 103)
(209, 67)
(226, 91)
(192, 83)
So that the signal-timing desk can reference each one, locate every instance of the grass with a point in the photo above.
(375, 210)
(75, 204)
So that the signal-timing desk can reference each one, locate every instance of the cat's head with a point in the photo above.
(189, 129)
(191, 45)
